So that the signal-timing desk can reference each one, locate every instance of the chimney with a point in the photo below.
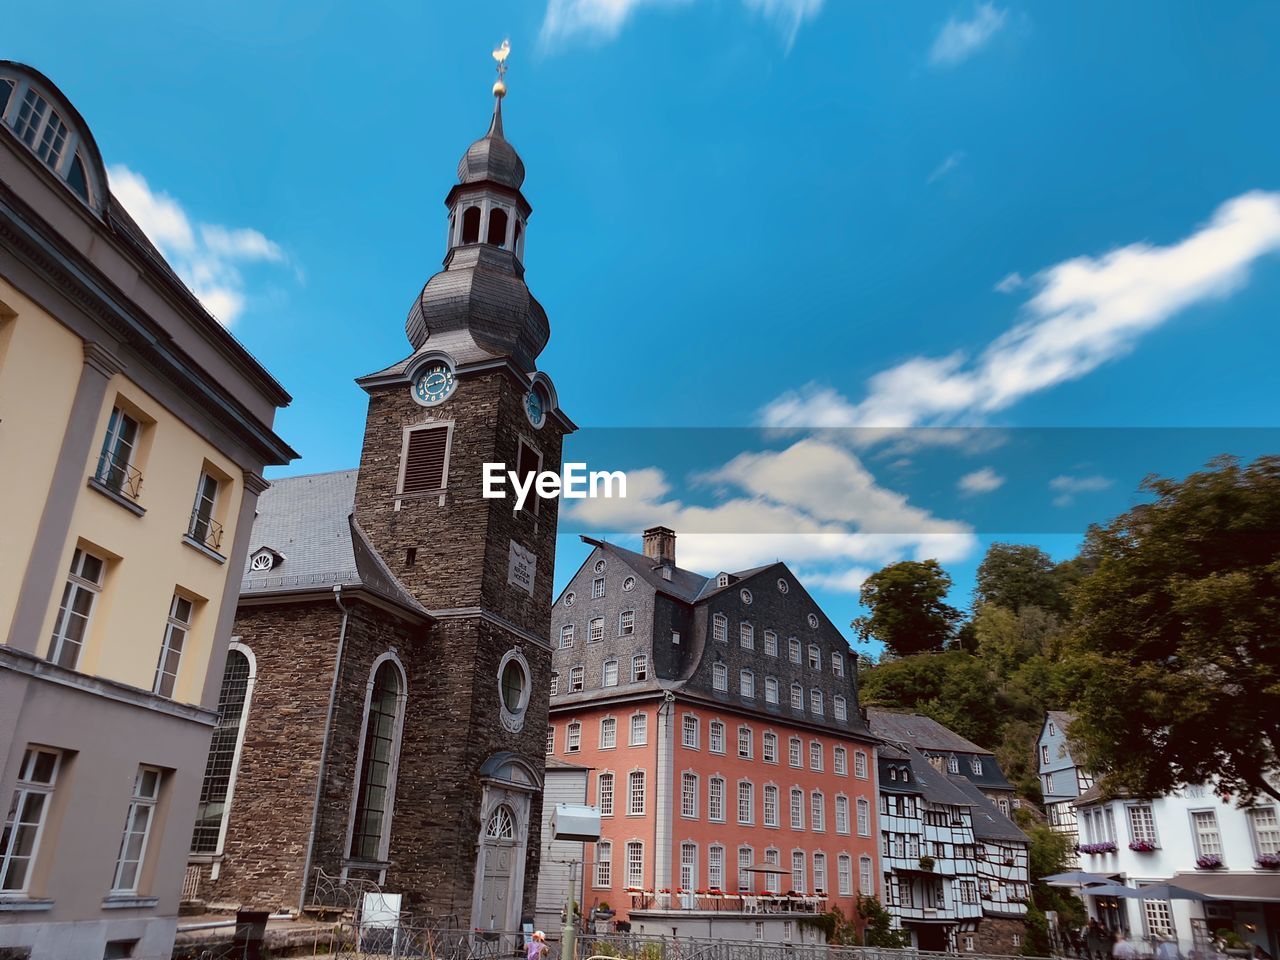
(660, 545)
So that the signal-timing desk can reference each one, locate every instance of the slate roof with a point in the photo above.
(308, 521)
(492, 157)
(988, 822)
(921, 732)
(684, 584)
(935, 787)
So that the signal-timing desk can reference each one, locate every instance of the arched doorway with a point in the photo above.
(510, 782)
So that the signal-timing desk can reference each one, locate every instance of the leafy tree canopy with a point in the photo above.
(1178, 635)
(952, 687)
(1016, 576)
(909, 613)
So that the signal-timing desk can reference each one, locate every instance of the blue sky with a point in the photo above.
(780, 212)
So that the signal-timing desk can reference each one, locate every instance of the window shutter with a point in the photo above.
(424, 460)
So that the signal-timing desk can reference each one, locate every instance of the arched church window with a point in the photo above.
(374, 791)
(502, 825)
(498, 227)
(471, 225)
(219, 771)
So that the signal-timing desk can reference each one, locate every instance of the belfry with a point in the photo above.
(385, 702)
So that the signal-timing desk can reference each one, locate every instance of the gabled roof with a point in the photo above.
(684, 584)
(933, 786)
(921, 732)
(988, 822)
(308, 520)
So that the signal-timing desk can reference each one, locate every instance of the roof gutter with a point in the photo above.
(324, 749)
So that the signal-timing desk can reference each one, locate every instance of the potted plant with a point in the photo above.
(1210, 861)
(1142, 846)
(1233, 944)
(1107, 846)
(604, 911)
(926, 862)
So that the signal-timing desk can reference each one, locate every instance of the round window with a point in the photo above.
(746, 596)
(629, 583)
(783, 586)
(570, 598)
(813, 620)
(513, 689)
(599, 566)
(513, 682)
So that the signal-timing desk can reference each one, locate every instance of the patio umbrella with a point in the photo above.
(1153, 891)
(1076, 878)
(767, 868)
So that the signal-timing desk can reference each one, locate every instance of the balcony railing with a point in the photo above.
(118, 476)
(205, 530)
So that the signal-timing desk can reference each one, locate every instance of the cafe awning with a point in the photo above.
(1263, 886)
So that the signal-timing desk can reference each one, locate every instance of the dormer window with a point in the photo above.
(35, 119)
(722, 580)
(264, 559)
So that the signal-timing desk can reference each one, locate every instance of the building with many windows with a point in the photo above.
(733, 768)
(385, 701)
(134, 430)
(1194, 839)
(1062, 780)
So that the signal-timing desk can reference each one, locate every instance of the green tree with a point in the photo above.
(1047, 855)
(1177, 635)
(1007, 638)
(1016, 576)
(877, 924)
(909, 613)
(952, 687)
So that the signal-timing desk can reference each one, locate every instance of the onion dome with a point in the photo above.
(491, 158)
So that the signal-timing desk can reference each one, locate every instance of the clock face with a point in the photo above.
(434, 383)
(535, 407)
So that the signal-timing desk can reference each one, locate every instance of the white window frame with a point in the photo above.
(139, 820)
(771, 690)
(1142, 832)
(837, 663)
(597, 588)
(690, 732)
(839, 707)
(720, 628)
(635, 863)
(608, 733)
(1265, 834)
(715, 866)
(76, 584)
(595, 630)
(604, 865)
(573, 737)
(866, 876)
(689, 795)
(819, 860)
(715, 799)
(25, 792)
(242, 728)
(747, 684)
(796, 808)
(799, 872)
(746, 802)
(397, 739)
(816, 756)
(577, 676)
(639, 668)
(842, 814)
(771, 643)
(639, 730)
(746, 742)
(176, 632)
(637, 793)
(795, 752)
(816, 702)
(769, 747)
(609, 673)
(553, 688)
(844, 875)
(817, 812)
(860, 769)
(566, 636)
(747, 635)
(1208, 842)
(720, 676)
(769, 804)
(797, 697)
(627, 623)
(794, 652)
(815, 657)
(715, 736)
(840, 761)
(605, 783)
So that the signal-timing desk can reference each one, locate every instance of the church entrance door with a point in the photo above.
(498, 853)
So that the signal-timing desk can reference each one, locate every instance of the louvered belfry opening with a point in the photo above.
(424, 460)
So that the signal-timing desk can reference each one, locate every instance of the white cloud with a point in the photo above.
(207, 256)
(985, 480)
(603, 20)
(960, 39)
(946, 166)
(813, 504)
(1067, 487)
(1010, 283)
(1083, 313)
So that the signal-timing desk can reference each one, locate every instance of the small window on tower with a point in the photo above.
(471, 225)
(498, 227)
(426, 452)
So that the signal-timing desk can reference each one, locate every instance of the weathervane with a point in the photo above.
(500, 53)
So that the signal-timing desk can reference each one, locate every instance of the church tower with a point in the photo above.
(468, 394)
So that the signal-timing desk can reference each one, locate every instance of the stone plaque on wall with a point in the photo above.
(521, 567)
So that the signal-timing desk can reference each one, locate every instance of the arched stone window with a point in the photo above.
(497, 227)
(471, 225)
(224, 751)
(379, 754)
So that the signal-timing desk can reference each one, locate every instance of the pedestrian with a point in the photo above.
(1123, 949)
(1077, 942)
(536, 948)
(1167, 949)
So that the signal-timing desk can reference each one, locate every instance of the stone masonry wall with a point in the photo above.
(995, 936)
(294, 646)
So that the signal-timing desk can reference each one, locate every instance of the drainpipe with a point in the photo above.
(324, 749)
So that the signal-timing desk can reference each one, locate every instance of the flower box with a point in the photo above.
(1107, 846)
(1143, 846)
(1210, 861)
(1269, 861)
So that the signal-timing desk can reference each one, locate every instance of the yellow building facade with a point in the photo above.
(133, 433)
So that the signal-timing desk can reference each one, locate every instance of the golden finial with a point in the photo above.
(500, 53)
